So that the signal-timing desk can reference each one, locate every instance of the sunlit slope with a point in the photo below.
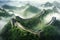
(31, 11)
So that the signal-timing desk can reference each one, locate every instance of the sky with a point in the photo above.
(19, 3)
(39, 1)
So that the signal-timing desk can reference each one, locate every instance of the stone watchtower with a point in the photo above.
(52, 20)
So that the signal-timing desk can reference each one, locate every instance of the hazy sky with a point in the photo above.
(33, 2)
(40, 1)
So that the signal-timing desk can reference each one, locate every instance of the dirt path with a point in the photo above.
(22, 27)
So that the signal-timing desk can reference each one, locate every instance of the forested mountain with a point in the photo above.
(30, 22)
(4, 13)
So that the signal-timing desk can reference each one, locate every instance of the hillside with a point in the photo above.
(30, 22)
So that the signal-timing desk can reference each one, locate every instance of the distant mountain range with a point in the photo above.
(4, 13)
(10, 7)
(30, 10)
